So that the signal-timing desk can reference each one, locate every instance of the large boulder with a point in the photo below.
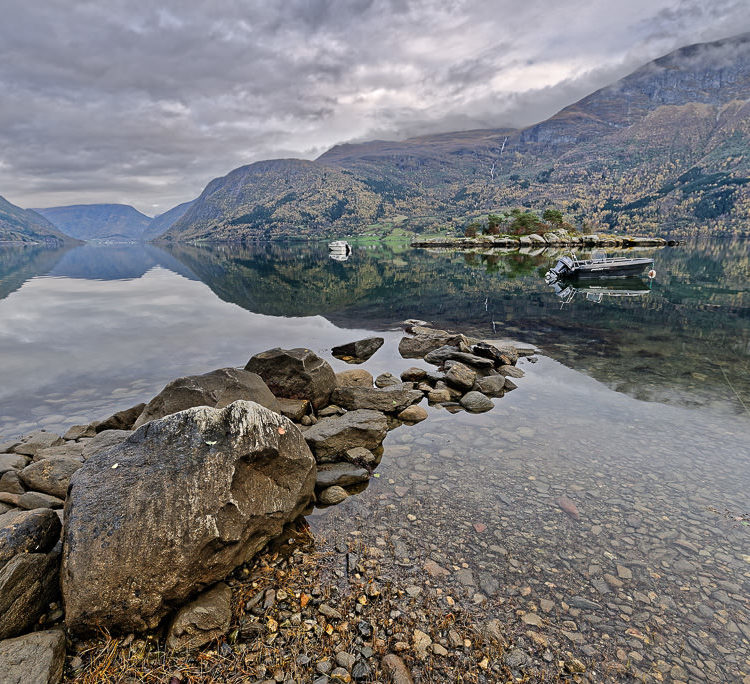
(295, 374)
(359, 351)
(175, 508)
(51, 475)
(27, 532)
(331, 437)
(104, 440)
(389, 400)
(217, 389)
(29, 582)
(36, 658)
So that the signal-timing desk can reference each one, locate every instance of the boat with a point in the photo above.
(599, 265)
(340, 247)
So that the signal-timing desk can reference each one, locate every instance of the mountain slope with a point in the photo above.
(99, 221)
(25, 225)
(667, 146)
(163, 222)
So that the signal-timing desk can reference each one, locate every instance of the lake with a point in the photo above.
(635, 408)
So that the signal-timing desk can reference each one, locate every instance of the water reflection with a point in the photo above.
(596, 291)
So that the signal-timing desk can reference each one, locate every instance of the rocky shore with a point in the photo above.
(152, 522)
(556, 238)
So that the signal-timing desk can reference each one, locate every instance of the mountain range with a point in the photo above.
(666, 147)
(110, 222)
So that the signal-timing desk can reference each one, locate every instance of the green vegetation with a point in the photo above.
(517, 222)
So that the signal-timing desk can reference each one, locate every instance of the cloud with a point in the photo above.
(127, 102)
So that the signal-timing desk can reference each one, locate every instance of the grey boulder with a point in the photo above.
(29, 582)
(104, 440)
(50, 476)
(356, 352)
(388, 400)
(492, 385)
(36, 658)
(12, 462)
(37, 441)
(204, 619)
(176, 507)
(295, 374)
(330, 437)
(122, 420)
(27, 532)
(217, 389)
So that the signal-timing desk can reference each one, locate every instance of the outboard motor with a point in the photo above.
(563, 267)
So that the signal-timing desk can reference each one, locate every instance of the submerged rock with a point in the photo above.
(295, 374)
(217, 389)
(36, 658)
(341, 474)
(476, 402)
(175, 507)
(332, 496)
(359, 351)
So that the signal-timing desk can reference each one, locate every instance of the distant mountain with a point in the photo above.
(25, 225)
(163, 222)
(119, 222)
(666, 147)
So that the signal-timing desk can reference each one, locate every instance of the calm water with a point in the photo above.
(634, 411)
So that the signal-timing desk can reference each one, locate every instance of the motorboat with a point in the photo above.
(599, 265)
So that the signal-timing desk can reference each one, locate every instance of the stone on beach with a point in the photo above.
(389, 400)
(202, 620)
(35, 531)
(294, 409)
(12, 462)
(122, 420)
(330, 437)
(357, 377)
(37, 441)
(217, 389)
(413, 414)
(205, 487)
(460, 375)
(36, 658)
(356, 352)
(295, 374)
(29, 582)
(50, 476)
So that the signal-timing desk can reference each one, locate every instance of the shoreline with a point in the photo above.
(548, 240)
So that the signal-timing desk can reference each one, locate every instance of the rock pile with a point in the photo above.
(164, 500)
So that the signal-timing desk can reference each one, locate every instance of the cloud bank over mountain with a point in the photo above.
(141, 105)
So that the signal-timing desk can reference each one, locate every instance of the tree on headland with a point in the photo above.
(553, 216)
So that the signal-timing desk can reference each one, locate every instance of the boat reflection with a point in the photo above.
(596, 291)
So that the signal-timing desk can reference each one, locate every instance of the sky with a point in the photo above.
(144, 103)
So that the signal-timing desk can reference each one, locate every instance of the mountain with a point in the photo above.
(161, 223)
(25, 225)
(118, 222)
(666, 147)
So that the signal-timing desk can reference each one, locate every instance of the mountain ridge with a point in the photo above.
(26, 225)
(666, 146)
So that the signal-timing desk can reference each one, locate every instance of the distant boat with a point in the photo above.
(599, 265)
(340, 246)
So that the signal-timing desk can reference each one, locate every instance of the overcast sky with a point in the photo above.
(125, 101)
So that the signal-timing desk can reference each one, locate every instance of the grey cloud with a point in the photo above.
(124, 101)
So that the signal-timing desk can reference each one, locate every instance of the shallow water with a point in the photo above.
(634, 412)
